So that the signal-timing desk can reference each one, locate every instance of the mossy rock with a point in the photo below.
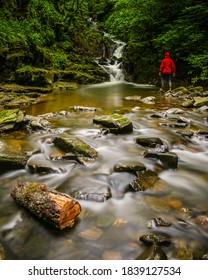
(116, 123)
(35, 76)
(76, 146)
(201, 101)
(12, 162)
(11, 119)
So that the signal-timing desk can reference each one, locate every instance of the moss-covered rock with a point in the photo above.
(11, 119)
(12, 162)
(75, 146)
(115, 122)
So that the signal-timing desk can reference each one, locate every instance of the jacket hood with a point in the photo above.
(167, 54)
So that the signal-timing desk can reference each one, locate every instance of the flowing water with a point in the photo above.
(110, 229)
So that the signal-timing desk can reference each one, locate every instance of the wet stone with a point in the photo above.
(146, 180)
(159, 222)
(93, 233)
(159, 239)
(2, 252)
(154, 252)
(100, 195)
(186, 133)
(12, 162)
(116, 123)
(129, 167)
(168, 159)
(150, 142)
(75, 145)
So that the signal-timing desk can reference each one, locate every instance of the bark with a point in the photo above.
(53, 207)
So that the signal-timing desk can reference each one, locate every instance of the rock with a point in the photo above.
(76, 146)
(129, 167)
(150, 142)
(146, 180)
(93, 233)
(150, 239)
(98, 195)
(2, 253)
(199, 102)
(149, 100)
(23, 89)
(174, 111)
(154, 252)
(65, 85)
(186, 133)
(35, 76)
(33, 124)
(168, 159)
(83, 108)
(188, 104)
(115, 122)
(133, 98)
(11, 119)
(159, 222)
(10, 162)
(202, 221)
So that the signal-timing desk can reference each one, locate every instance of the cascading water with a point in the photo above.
(113, 66)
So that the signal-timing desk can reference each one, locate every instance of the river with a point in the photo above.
(110, 229)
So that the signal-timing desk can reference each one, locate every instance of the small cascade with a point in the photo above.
(113, 66)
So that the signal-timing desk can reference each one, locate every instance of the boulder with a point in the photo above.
(150, 142)
(11, 119)
(168, 159)
(75, 146)
(10, 162)
(115, 122)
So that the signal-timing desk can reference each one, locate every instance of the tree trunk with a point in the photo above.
(56, 208)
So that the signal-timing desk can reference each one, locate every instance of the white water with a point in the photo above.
(113, 66)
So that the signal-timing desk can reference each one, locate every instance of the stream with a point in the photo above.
(109, 229)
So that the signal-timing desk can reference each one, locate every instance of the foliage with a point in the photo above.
(57, 34)
(154, 26)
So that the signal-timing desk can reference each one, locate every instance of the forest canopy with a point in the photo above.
(56, 34)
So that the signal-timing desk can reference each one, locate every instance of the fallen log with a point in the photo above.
(53, 207)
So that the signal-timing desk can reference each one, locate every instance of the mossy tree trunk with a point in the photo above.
(55, 208)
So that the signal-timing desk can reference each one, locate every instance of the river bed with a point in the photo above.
(111, 229)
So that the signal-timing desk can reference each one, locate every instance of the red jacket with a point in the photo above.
(167, 65)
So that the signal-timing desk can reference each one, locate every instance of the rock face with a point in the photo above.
(115, 123)
(55, 208)
(75, 146)
(11, 119)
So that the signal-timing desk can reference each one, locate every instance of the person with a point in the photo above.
(166, 71)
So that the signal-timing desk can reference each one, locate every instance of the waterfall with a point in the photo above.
(113, 66)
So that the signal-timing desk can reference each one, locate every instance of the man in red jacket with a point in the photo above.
(167, 70)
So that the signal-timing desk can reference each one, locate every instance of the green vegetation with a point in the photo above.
(154, 26)
(57, 36)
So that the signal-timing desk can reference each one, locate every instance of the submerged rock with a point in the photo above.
(154, 252)
(115, 122)
(98, 195)
(146, 180)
